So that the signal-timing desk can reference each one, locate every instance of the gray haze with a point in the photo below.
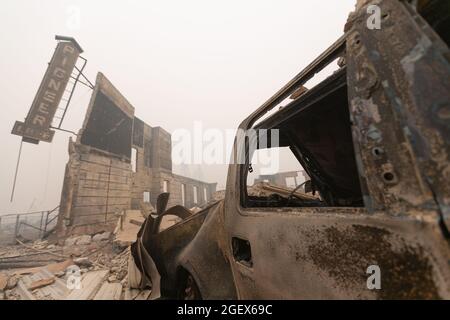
(176, 61)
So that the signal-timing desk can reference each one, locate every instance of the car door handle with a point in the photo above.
(242, 251)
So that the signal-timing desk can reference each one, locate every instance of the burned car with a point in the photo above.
(374, 139)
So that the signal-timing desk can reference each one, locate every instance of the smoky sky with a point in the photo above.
(176, 62)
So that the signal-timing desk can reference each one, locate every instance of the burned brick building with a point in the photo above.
(117, 162)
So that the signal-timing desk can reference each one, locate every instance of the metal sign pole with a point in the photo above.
(17, 169)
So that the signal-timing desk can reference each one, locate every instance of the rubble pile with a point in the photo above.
(45, 270)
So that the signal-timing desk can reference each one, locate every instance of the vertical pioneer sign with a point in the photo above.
(36, 126)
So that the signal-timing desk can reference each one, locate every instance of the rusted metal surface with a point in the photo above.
(163, 258)
(400, 92)
(408, 270)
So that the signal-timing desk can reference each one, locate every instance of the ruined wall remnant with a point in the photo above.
(279, 179)
(154, 171)
(103, 178)
(97, 182)
(108, 128)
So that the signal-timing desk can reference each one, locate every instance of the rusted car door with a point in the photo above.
(330, 254)
(401, 233)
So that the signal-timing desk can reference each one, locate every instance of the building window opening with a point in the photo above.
(146, 197)
(134, 159)
(195, 195)
(183, 194)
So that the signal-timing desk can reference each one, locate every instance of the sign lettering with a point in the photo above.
(36, 126)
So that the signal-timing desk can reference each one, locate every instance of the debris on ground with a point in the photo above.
(127, 228)
(81, 267)
(265, 189)
(41, 283)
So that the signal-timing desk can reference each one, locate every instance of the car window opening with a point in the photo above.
(316, 131)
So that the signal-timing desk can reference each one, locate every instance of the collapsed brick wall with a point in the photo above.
(205, 191)
(96, 188)
(154, 166)
(99, 181)
(142, 140)
(280, 179)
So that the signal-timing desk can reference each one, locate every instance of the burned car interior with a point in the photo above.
(437, 15)
(317, 129)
